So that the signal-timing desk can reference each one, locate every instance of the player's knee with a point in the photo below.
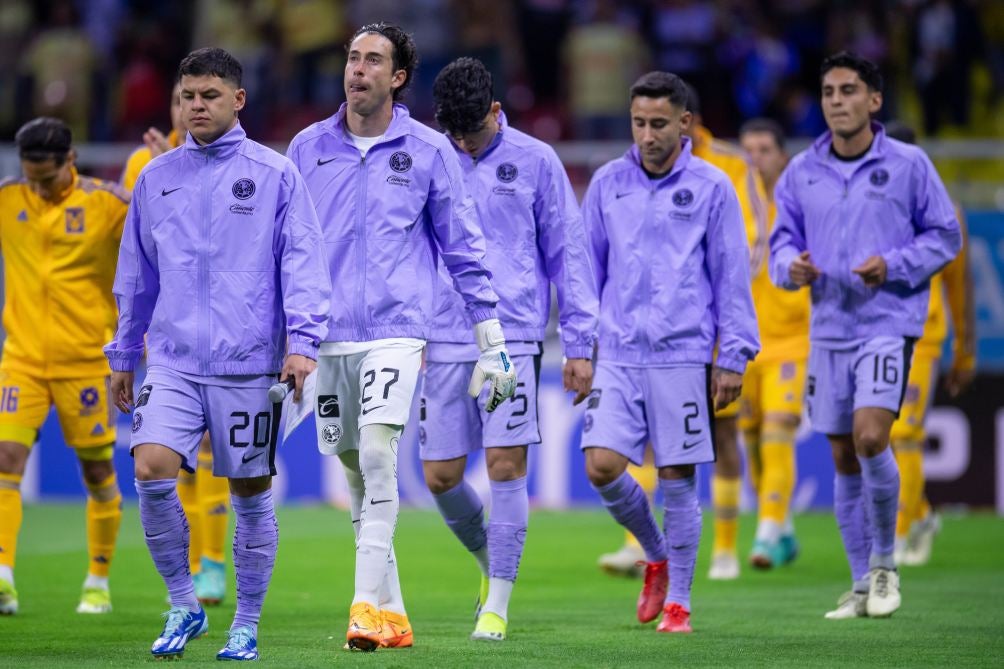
(439, 482)
(250, 487)
(96, 472)
(506, 464)
(603, 469)
(870, 440)
(845, 460)
(12, 458)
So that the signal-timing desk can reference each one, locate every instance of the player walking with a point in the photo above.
(221, 270)
(865, 220)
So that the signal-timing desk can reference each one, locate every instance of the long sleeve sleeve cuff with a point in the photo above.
(578, 351)
(307, 349)
(483, 314)
(731, 363)
(121, 361)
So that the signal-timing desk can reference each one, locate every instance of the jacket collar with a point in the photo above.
(682, 160)
(224, 147)
(821, 147)
(398, 123)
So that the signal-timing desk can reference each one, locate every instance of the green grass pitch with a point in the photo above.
(565, 613)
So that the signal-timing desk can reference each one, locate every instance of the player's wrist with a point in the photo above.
(489, 336)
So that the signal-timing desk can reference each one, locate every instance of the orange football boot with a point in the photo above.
(675, 618)
(364, 627)
(653, 592)
(396, 631)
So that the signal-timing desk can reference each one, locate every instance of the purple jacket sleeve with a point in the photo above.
(306, 282)
(728, 267)
(787, 241)
(563, 242)
(137, 285)
(938, 237)
(596, 234)
(457, 233)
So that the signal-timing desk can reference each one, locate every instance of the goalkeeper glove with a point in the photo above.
(494, 365)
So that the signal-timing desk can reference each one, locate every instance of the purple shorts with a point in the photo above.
(452, 424)
(174, 410)
(846, 376)
(667, 406)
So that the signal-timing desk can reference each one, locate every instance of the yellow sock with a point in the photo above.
(104, 515)
(725, 499)
(910, 458)
(214, 500)
(10, 517)
(777, 455)
(751, 438)
(188, 494)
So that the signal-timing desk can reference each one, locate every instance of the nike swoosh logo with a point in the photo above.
(687, 446)
(251, 548)
(324, 162)
(154, 536)
(510, 426)
(246, 459)
(168, 192)
(620, 195)
(366, 411)
(379, 501)
(815, 181)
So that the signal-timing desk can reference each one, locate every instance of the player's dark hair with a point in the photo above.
(43, 138)
(767, 125)
(693, 100)
(661, 85)
(463, 95)
(866, 69)
(404, 56)
(901, 131)
(212, 61)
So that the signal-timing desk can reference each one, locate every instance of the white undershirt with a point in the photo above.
(364, 144)
(328, 348)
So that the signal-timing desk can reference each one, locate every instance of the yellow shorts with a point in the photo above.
(771, 387)
(81, 404)
(919, 393)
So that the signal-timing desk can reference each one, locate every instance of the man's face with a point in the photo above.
(768, 158)
(474, 143)
(209, 106)
(847, 102)
(656, 125)
(370, 78)
(48, 180)
(177, 120)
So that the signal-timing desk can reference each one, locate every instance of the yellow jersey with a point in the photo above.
(954, 283)
(59, 265)
(782, 316)
(139, 159)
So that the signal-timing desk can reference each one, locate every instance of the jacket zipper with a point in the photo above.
(360, 306)
(207, 186)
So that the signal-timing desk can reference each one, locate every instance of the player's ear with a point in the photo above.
(398, 79)
(71, 157)
(686, 118)
(240, 99)
(874, 101)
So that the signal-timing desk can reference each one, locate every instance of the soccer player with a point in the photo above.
(774, 385)
(672, 263)
(59, 232)
(916, 523)
(391, 199)
(204, 497)
(726, 483)
(535, 237)
(221, 270)
(866, 221)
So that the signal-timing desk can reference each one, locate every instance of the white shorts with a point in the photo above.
(371, 387)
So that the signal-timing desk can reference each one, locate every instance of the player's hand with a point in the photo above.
(577, 376)
(801, 271)
(297, 367)
(121, 390)
(959, 380)
(493, 366)
(872, 271)
(156, 142)
(725, 387)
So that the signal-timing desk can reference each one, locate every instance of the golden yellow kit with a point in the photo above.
(59, 265)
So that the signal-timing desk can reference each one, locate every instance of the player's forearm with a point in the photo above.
(929, 251)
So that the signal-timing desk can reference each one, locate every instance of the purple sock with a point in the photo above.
(849, 507)
(682, 522)
(464, 513)
(507, 527)
(166, 531)
(881, 478)
(256, 541)
(627, 503)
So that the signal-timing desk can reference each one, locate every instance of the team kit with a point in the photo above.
(379, 255)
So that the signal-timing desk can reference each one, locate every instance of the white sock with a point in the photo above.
(378, 465)
(7, 573)
(499, 592)
(92, 581)
(481, 555)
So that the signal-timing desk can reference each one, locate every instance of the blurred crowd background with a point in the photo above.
(562, 67)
